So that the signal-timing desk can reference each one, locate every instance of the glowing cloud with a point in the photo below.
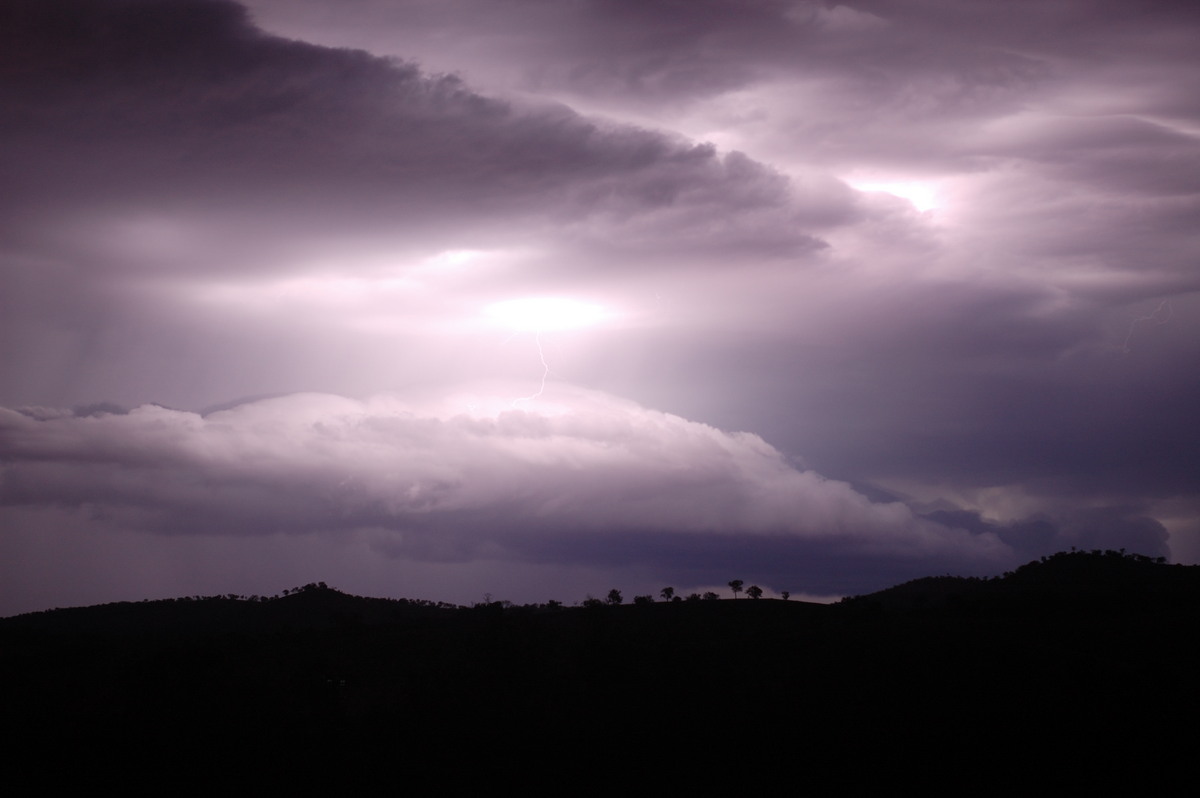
(922, 194)
(540, 314)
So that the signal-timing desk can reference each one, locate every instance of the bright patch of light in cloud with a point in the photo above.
(545, 313)
(921, 193)
(455, 257)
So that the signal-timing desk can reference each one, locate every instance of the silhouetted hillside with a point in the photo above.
(1081, 580)
(937, 683)
(309, 607)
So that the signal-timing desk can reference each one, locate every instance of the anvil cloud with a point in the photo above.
(872, 290)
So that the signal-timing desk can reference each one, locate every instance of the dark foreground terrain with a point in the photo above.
(1078, 671)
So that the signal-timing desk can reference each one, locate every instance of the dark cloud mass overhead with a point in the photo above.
(537, 299)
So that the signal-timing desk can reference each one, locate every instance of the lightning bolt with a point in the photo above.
(540, 315)
(545, 373)
(1159, 316)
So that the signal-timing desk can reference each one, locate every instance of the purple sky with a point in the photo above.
(439, 298)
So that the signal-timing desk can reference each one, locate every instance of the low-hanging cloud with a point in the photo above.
(573, 463)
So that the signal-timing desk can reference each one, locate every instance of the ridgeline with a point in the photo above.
(1050, 671)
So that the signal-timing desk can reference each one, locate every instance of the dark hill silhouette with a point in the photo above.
(309, 607)
(1052, 674)
(1079, 579)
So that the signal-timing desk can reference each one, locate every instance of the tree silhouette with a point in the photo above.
(710, 596)
(754, 591)
(614, 596)
(786, 595)
(667, 593)
(736, 587)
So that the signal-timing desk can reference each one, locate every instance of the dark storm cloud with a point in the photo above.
(1074, 111)
(1116, 527)
(149, 105)
(665, 50)
(833, 83)
(1122, 153)
(976, 388)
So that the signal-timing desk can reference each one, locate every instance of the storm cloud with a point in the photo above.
(468, 286)
(317, 461)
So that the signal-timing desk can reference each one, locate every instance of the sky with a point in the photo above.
(531, 299)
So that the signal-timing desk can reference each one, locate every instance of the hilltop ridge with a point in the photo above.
(1072, 654)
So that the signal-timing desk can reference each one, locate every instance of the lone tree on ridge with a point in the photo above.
(736, 587)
